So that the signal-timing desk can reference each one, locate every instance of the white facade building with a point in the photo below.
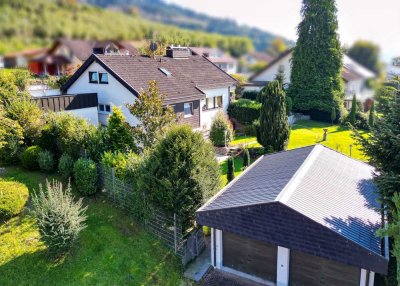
(194, 86)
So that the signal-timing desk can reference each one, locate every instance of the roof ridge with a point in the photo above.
(355, 159)
(290, 187)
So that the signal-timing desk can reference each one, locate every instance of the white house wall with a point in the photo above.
(113, 93)
(207, 116)
(89, 114)
(270, 73)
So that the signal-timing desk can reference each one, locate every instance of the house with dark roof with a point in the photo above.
(221, 59)
(66, 55)
(307, 216)
(354, 75)
(195, 87)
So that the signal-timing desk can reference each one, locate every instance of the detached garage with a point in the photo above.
(302, 217)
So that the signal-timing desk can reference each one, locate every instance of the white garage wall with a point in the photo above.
(207, 116)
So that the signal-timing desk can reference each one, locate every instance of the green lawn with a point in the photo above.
(112, 250)
(238, 161)
(308, 132)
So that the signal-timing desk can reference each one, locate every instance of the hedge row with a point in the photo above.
(244, 110)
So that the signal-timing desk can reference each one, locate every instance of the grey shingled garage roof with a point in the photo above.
(321, 188)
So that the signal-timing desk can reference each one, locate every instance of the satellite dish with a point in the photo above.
(153, 46)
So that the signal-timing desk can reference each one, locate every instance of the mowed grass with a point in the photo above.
(238, 162)
(112, 250)
(308, 132)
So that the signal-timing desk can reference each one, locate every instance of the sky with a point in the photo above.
(374, 20)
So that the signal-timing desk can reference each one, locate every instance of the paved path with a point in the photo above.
(219, 278)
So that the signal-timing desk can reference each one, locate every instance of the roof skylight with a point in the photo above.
(165, 71)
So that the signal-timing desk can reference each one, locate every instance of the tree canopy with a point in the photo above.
(316, 82)
(366, 53)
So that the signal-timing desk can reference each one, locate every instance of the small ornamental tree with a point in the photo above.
(231, 169)
(273, 128)
(154, 117)
(181, 173)
(246, 158)
(221, 133)
(353, 110)
(280, 76)
(118, 135)
(59, 218)
(333, 115)
(85, 175)
(371, 117)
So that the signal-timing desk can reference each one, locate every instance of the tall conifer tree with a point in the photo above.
(316, 83)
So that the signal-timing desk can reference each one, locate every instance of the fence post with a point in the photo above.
(175, 236)
(113, 182)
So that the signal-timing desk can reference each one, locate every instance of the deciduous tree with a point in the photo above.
(153, 116)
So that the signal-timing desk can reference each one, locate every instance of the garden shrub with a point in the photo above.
(119, 162)
(180, 173)
(245, 111)
(59, 218)
(13, 197)
(360, 120)
(246, 158)
(46, 160)
(66, 166)
(30, 157)
(221, 132)
(252, 95)
(11, 139)
(65, 133)
(85, 175)
(231, 169)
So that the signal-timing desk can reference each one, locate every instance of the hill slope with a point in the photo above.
(37, 23)
(158, 10)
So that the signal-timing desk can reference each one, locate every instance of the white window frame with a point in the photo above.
(191, 109)
(90, 78)
(105, 108)
(99, 77)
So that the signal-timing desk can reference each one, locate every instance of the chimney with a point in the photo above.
(177, 52)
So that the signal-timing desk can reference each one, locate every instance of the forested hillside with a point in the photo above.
(158, 10)
(36, 23)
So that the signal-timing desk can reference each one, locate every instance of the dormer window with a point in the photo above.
(165, 71)
(103, 78)
(93, 77)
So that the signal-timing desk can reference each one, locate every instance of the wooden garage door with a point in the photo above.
(249, 256)
(309, 270)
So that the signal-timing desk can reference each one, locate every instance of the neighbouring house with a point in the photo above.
(21, 59)
(66, 55)
(221, 59)
(80, 105)
(356, 78)
(307, 216)
(252, 59)
(194, 86)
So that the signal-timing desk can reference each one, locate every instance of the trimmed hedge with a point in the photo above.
(85, 175)
(13, 197)
(252, 95)
(244, 110)
(30, 158)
